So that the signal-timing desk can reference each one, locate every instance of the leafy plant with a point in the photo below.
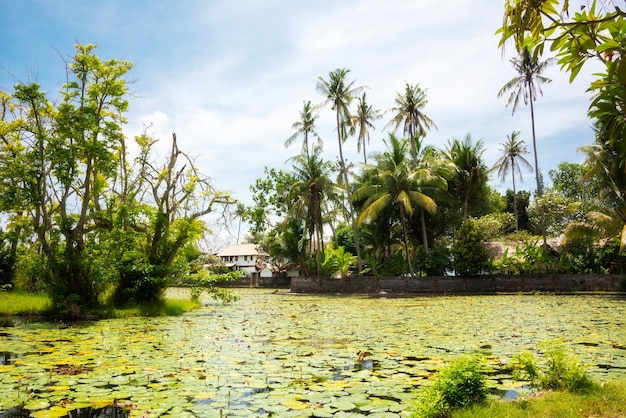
(557, 371)
(432, 261)
(205, 281)
(470, 255)
(337, 261)
(459, 384)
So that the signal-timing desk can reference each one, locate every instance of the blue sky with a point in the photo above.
(230, 77)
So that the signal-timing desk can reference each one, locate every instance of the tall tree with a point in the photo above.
(339, 94)
(305, 126)
(313, 186)
(512, 158)
(527, 85)
(408, 112)
(471, 175)
(73, 148)
(361, 123)
(395, 185)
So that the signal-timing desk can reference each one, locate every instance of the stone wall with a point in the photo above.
(250, 281)
(460, 285)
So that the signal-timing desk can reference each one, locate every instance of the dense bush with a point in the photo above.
(433, 261)
(459, 384)
(557, 370)
(470, 256)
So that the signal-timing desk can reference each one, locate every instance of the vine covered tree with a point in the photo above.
(86, 219)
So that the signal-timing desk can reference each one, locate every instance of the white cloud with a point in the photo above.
(230, 77)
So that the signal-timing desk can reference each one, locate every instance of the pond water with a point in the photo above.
(278, 354)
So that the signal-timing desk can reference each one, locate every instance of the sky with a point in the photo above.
(230, 77)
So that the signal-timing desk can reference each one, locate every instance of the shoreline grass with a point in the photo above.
(601, 401)
(16, 303)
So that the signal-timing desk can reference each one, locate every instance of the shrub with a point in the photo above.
(495, 224)
(470, 254)
(557, 371)
(459, 384)
(433, 261)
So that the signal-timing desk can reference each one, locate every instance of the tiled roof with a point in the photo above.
(240, 249)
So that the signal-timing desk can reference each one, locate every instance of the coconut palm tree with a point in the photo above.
(608, 218)
(339, 94)
(511, 160)
(305, 126)
(312, 187)
(361, 123)
(408, 112)
(526, 85)
(471, 173)
(395, 184)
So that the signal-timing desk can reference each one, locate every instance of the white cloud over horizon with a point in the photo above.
(230, 77)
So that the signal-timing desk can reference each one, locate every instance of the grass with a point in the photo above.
(607, 401)
(24, 304)
(15, 303)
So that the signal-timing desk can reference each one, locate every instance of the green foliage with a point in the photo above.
(556, 211)
(22, 303)
(433, 261)
(582, 255)
(80, 216)
(557, 370)
(522, 198)
(494, 225)
(458, 385)
(470, 256)
(608, 400)
(337, 261)
(530, 258)
(204, 281)
(344, 237)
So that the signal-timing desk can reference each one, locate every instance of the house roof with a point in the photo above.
(240, 249)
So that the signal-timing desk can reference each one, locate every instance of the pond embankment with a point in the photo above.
(563, 283)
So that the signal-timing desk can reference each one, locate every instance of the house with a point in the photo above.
(247, 259)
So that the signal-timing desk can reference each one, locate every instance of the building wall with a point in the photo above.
(478, 285)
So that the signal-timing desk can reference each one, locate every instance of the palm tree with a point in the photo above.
(409, 113)
(362, 123)
(396, 185)
(608, 218)
(305, 126)
(471, 173)
(240, 211)
(511, 159)
(527, 85)
(339, 94)
(433, 174)
(313, 186)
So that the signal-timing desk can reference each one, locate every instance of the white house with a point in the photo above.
(246, 258)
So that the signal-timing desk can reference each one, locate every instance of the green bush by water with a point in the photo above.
(600, 401)
(557, 370)
(460, 384)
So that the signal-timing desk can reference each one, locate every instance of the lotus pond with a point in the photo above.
(278, 354)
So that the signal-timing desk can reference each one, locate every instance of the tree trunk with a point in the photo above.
(514, 196)
(539, 187)
(406, 241)
(348, 194)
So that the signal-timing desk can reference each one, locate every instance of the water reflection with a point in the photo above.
(106, 412)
